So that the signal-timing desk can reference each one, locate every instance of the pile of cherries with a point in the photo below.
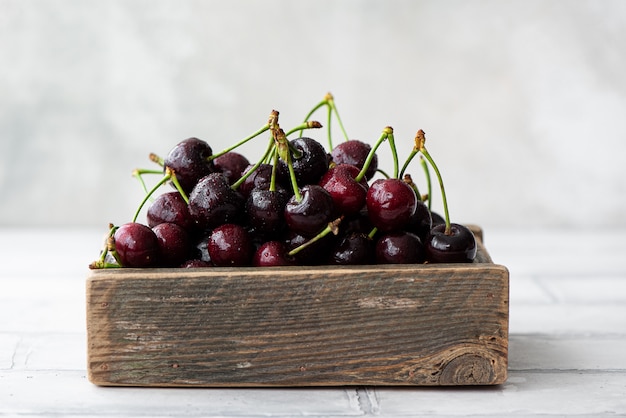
(298, 204)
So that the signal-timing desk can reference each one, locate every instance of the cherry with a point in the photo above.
(230, 245)
(190, 161)
(266, 210)
(310, 161)
(136, 245)
(213, 202)
(421, 222)
(169, 207)
(400, 247)
(347, 193)
(311, 213)
(232, 165)
(353, 248)
(457, 245)
(390, 204)
(448, 242)
(355, 152)
(272, 253)
(174, 244)
(259, 179)
(311, 254)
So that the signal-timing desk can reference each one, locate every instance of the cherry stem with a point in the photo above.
(139, 172)
(409, 180)
(394, 152)
(169, 175)
(109, 248)
(312, 124)
(413, 153)
(420, 142)
(243, 141)
(274, 170)
(328, 101)
(271, 121)
(268, 151)
(331, 227)
(428, 180)
(284, 152)
(383, 136)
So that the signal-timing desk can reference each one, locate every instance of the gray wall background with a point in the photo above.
(523, 102)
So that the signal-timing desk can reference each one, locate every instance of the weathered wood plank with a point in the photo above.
(302, 326)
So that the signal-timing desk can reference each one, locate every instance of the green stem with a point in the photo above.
(394, 154)
(312, 124)
(443, 191)
(428, 181)
(166, 177)
(317, 106)
(265, 128)
(274, 171)
(331, 227)
(247, 174)
(383, 136)
(413, 153)
(332, 105)
(284, 152)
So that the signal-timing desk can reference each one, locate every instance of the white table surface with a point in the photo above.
(567, 348)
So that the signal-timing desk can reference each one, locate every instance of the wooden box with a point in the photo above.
(428, 325)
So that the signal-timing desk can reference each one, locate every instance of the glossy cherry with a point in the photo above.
(190, 161)
(213, 202)
(136, 245)
(312, 213)
(353, 249)
(347, 193)
(174, 244)
(310, 161)
(456, 246)
(232, 165)
(229, 245)
(169, 207)
(265, 210)
(400, 247)
(272, 254)
(355, 152)
(390, 204)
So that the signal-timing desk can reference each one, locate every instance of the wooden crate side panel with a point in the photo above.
(379, 326)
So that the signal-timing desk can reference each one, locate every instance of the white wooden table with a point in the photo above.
(567, 353)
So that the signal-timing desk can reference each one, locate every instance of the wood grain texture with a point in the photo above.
(300, 326)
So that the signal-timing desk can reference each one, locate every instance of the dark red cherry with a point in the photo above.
(174, 244)
(421, 221)
(355, 152)
(189, 160)
(314, 254)
(309, 166)
(271, 254)
(353, 249)
(213, 202)
(136, 245)
(232, 165)
(169, 208)
(230, 245)
(390, 204)
(266, 210)
(458, 246)
(312, 213)
(437, 218)
(400, 247)
(347, 193)
(259, 179)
